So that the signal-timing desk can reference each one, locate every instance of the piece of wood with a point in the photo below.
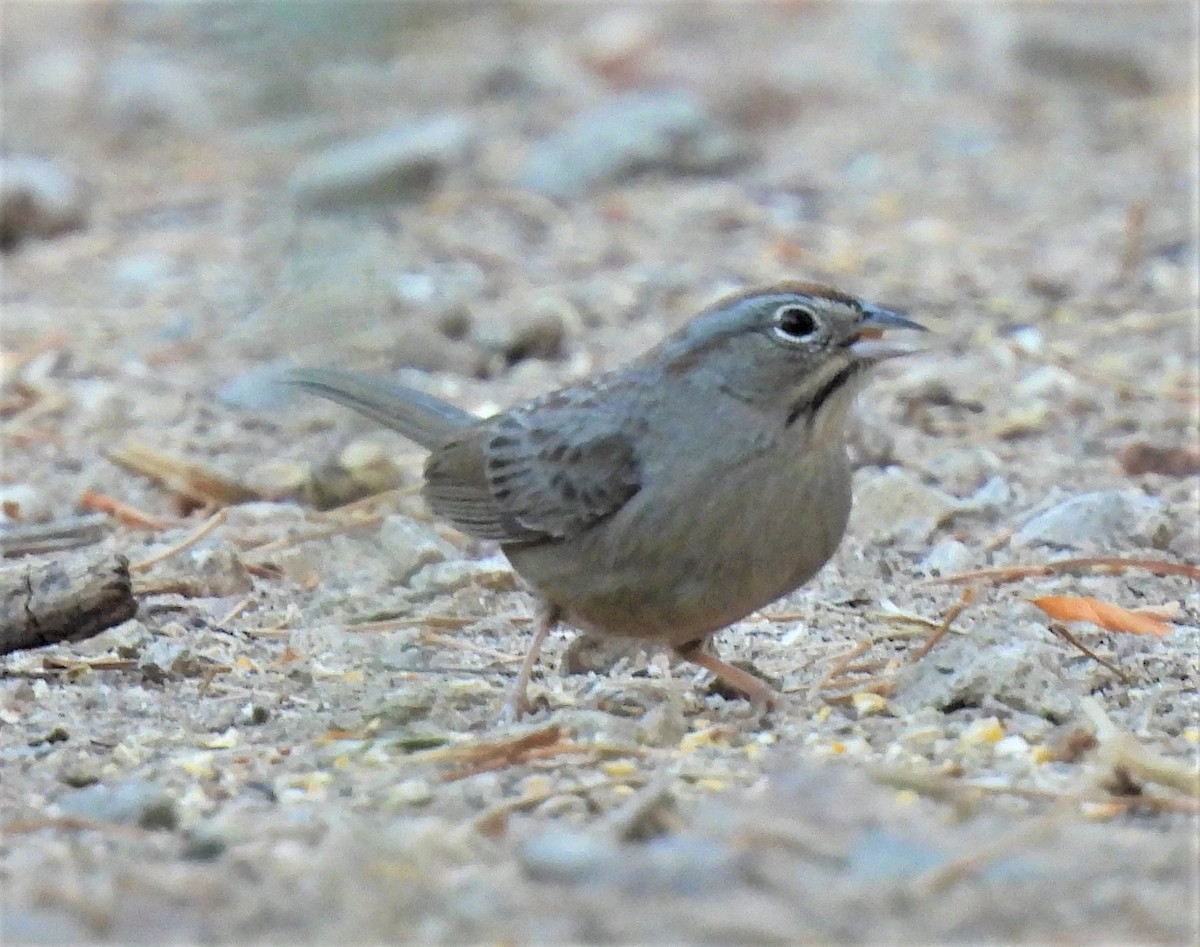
(68, 599)
(26, 539)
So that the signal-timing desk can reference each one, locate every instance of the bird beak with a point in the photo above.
(869, 343)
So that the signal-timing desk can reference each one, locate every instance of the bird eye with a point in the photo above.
(794, 323)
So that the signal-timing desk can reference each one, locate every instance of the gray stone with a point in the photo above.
(204, 842)
(409, 545)
(402, 163)
(135, 802)
(541, 333)
(38, 198)
(564, 855)
(893, 505)
(1018, 670)
(1109, 519)
(656, 131)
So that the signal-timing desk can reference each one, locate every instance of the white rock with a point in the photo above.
(1109, 519)
(946, 558)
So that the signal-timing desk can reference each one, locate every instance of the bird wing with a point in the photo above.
(533, 475)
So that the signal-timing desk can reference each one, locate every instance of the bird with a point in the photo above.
(672, 496)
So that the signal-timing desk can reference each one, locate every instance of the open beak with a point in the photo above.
(870, 344)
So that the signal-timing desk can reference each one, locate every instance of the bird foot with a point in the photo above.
(761, 695)
(518, 703)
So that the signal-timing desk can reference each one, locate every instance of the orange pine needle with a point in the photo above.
(1103, 614)
(122, 512)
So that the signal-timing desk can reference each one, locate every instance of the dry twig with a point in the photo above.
(336, 529)
(1061, 631)
(190, 540)
(968, 598)
(1003, 574)
(27, 539)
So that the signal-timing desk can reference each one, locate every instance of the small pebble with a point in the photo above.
(663, 724)
(218, 566)
(684, 866)
(138, 275)
(867, 703)
(1001, 664)
(134, 802)
(22, 501)
(79, 772)
(411, 792)
(163, 658)
(563, 855)
(38, 198)
(987, 730)
(253, 715)
(540, 335)
(203, 842)
(946, 558)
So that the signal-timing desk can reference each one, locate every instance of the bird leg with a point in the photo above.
(761, 695)
(518, 702)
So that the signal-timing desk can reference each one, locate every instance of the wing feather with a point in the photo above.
(532, 475)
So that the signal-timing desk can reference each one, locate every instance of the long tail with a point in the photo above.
(422, 418)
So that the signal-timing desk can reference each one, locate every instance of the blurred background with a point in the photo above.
(462, 187)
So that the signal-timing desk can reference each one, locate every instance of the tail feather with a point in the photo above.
(420, 417)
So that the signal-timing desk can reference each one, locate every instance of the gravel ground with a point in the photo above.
(297, 738)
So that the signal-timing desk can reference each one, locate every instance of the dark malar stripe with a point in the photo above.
(810, 405)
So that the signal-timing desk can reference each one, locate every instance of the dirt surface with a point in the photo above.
(297, 738)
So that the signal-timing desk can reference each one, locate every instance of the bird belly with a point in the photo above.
(726, 547)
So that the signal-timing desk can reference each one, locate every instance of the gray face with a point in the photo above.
(786, 351)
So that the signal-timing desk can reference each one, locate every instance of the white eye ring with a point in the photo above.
(795, 323)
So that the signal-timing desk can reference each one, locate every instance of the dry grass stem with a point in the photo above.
(337, 529)
(1061, 631)
(968, 598)
(187, 542)
(1120, 749)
